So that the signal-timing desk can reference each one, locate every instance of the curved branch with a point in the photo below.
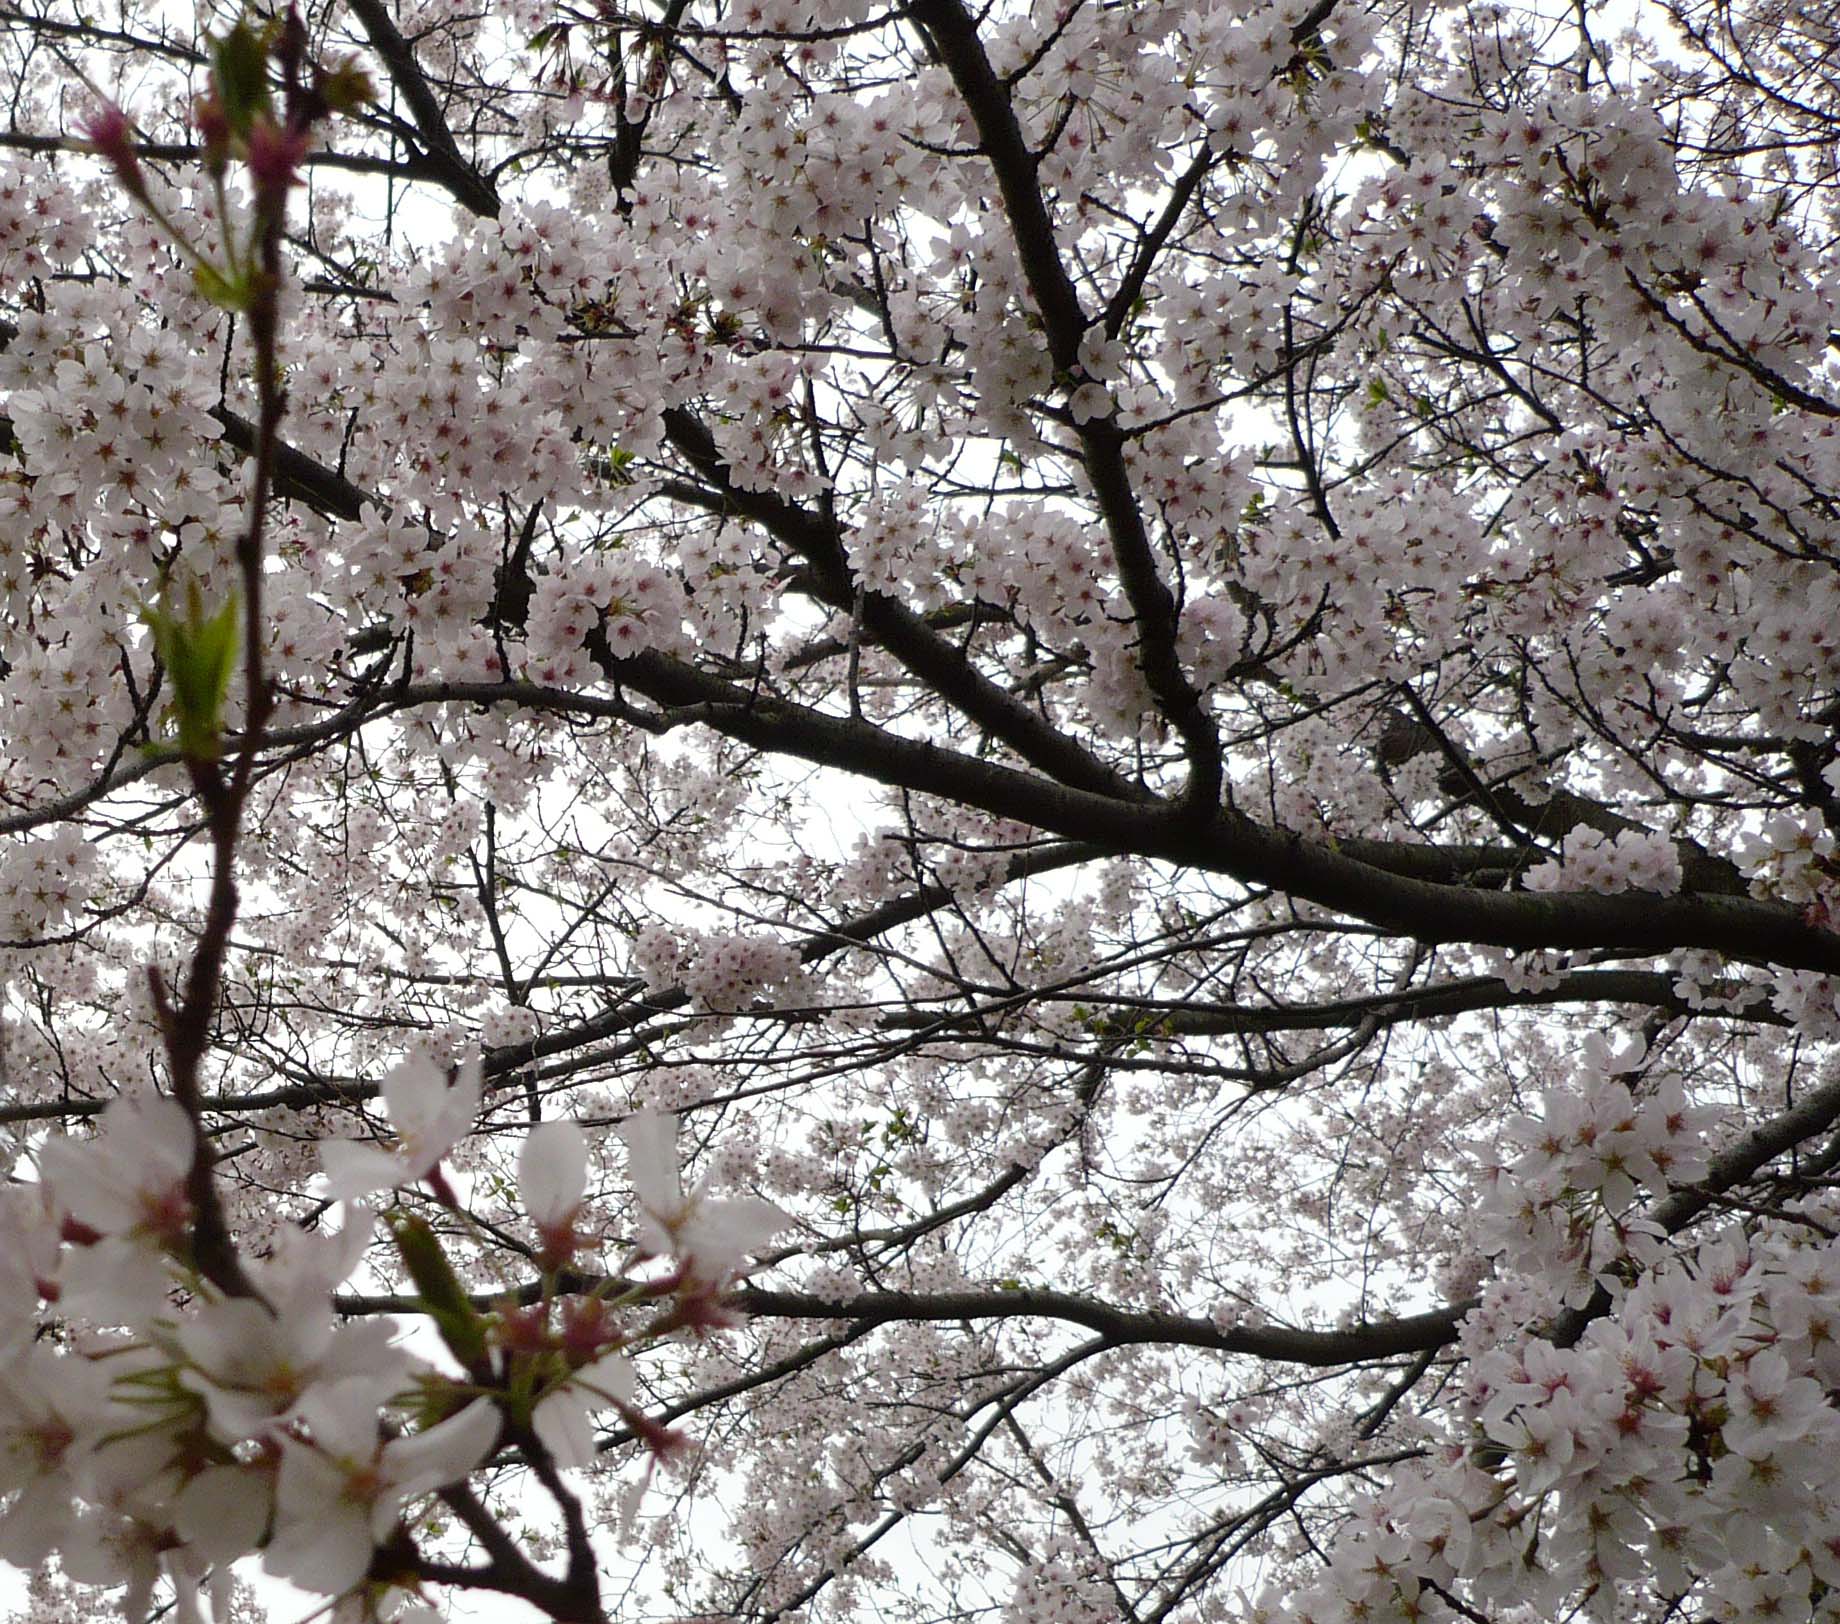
(1381, 1339)
(470, 189)
(954, 36)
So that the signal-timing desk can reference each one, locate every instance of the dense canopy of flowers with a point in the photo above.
(827, 811)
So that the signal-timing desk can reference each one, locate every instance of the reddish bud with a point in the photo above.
(213, 126)
(524, 1330)
(275, 156)
(664, 1442)
(557, 1245)
(700, 1310)
(111, 137)
(588, 1329)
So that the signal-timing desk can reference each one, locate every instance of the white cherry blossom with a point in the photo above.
(564, 1419)
(707, 1236)
(429, 1112)
(552, 1176)
(129, 1182)
(341, 1491)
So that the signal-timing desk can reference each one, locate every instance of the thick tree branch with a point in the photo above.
(1349, 877)
(463, 182)
(1381, 1339)
(942, 666)
(987, 98)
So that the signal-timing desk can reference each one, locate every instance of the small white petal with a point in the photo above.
(354, 1170)
(328, 1553)
(719, 1234)
(469, 1089)
(32, 1525)
(342, 1417)
(610, 1379)
(564, 1427)
(553, 1172)
(223, 1513)
(651, 1151)
(445, 1452)
(412, 1093)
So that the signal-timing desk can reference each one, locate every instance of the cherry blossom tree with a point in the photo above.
(819, 810)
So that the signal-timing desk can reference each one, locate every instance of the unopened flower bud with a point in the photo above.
(275, 156)
(213, 127)
(111, 137)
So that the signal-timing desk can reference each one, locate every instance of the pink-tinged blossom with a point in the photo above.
(1631, 861)
(430, 1116)
(709, 1238)
(1090, 401)
(1770, 1408)
(129, 1181)
(342, 1488)
(51, 1411)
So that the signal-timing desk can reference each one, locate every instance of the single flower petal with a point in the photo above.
(651, 1160)
(223, 1512)
(31, 1526)
(610, 1379)
(444, 1452)
(342, 1415)
(565, 1427)
(354, 1170)
(328, 1553)
(719, 1234)
(564, 1422)
(412, 1092)
(553, 1173)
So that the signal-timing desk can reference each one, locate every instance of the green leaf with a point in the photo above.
(347, 87)
(221, 290)
(459, 1322)
(239, 64)
(199, 653)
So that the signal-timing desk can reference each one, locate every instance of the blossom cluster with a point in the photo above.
(164, 1415)
(1673, 1449)
(43, 882)
(1630, 860)
(722, 971)
(635, 606)
(1792, 856)
(1668, 1447)
(43, 225)
(1566, 1209)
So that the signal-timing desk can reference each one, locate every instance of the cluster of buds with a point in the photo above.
(236, 117)
(160, 1428)
(261, 106)
(556, 1360)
